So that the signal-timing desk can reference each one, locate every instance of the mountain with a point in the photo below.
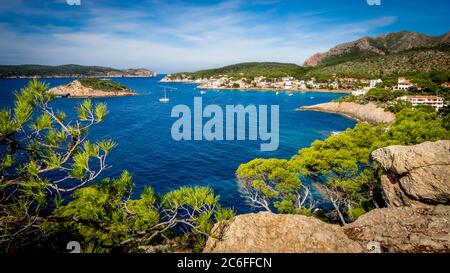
(70, 70)
(382, 45)
(402, 63)
(249, 70)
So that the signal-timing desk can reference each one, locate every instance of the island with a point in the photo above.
(91, 88)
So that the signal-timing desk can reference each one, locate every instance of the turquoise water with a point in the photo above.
(141, 126)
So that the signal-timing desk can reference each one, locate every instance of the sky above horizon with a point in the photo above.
(171, 36)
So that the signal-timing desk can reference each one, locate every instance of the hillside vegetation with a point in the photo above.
(401, 63)
(108, 86)
(248, 70)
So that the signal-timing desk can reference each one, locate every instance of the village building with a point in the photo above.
(403, 84)
(434, 101)
(373, 83)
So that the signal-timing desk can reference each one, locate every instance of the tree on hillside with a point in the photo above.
(272, 183)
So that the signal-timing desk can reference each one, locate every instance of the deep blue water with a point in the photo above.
(141, 126)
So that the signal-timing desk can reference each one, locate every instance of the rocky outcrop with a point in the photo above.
(266, 232)
(406, 229)
(417, 189)
(400, 229)
(364, 112)
(76, 90)
(415, 175)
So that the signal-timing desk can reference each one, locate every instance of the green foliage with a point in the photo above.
(249, 71)
(272, 183)
(383, 95)
(104, 215)
(40, 143)
(396, 106)
(416, 125)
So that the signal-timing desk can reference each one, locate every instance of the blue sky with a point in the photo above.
(172, 36)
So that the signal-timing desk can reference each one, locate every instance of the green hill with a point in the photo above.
(248, 70)
(401, 63)
(392, 54)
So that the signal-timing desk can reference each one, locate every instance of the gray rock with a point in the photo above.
(267, 232)
(406, 229)
(415, 174)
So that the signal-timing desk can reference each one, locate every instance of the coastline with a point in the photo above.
(200, 86)
(360, 112)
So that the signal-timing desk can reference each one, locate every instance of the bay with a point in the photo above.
(141, 126)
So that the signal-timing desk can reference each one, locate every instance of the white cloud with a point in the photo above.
(180, 37)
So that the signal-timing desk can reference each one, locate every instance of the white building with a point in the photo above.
(435, 101)
(359, 92)
(373, 83)
(403, 84)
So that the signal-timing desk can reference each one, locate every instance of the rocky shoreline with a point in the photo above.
(76, 90)
(422, 226)
(202, 86)
(361, 112)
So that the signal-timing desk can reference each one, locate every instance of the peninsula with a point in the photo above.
(91, 88)
(362, 112)
(70, 71)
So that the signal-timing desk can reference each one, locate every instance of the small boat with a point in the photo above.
(311, 97)
(290, 94)
(202, 92)
(277, 93)
(165, 99)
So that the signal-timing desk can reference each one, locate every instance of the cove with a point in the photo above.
(141, 126)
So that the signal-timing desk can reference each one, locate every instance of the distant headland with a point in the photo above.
(91, 88)
(70, 71)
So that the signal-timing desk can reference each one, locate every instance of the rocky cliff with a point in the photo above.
(415, 175)
(364, 112)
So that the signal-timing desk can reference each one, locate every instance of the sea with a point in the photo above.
(141, 126)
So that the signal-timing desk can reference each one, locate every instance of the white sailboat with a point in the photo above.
(202, 92)
(165, 99)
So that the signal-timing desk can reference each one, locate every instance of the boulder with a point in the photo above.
(265, 232)
(405, 229)
(415, 175)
